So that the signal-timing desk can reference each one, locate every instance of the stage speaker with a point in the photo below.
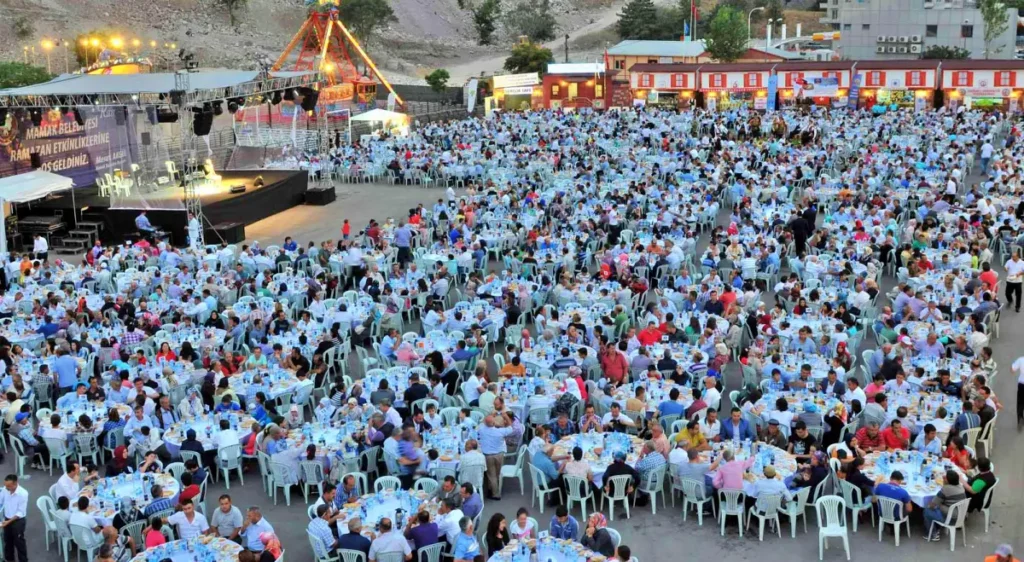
(37, 161)
(166, 116)
(151, 114)
(37, 116)
(218, 107)
(309, 99)
(177, 96)
(202, 123)
(289, 94)
(321, 196)
(119, 115)
(78, 117)
(3, 116)
(146, 139)
(231, 232)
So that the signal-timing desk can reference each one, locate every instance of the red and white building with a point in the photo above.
(665, 84)
(995, 84)
(726, 86)
(792, 74)
(903, 83)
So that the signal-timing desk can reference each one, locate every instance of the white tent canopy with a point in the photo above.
(27, 187)
(379, 115)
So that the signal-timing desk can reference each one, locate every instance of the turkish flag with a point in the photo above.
(693, 9)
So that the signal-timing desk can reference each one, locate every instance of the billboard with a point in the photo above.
(101, 144)
(817, 87)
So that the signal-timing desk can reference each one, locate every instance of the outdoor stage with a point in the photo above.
(282, 190)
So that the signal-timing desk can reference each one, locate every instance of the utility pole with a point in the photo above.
(567, 48)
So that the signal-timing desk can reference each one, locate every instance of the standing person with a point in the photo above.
(1014, 280)
(40, 248)
(15, 505)
(403, 241)
(1018, 369)
(492, 433)
(195, 241)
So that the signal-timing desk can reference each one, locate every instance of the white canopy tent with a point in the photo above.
(26, 187)
(380, 116)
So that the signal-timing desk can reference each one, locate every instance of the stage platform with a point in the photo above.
(282, 190)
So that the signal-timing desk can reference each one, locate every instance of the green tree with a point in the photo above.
(438, 80)
(638, 20)
(23, 28)
(945, 52)
(364, 18)
(18, 74)
(233, 6)
(485, 18)
(997, 21)
(528, 57)
(774, 11)
(532, 19)
(726, 37)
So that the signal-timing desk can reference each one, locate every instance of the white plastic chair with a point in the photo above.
(694, 494)
(514, 471)
(956, 518)
(230, 458)
(887, 510)
(86, 540)
(771, 503)
(831, 523)
(312, 477)
(618, 487)
(986, 503)
(387, 483)
(541, 489)
(280, 478)
(796, 508)
(731, 502)
(653, 485)
(427, 485)
(852, 497)
(578, 490)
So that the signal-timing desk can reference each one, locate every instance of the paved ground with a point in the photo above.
(652, 537)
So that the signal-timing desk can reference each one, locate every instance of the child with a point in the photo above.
(346, 229)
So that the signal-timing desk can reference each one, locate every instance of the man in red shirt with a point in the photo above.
(868, 440)
(649, 335)
(896, 437)
(989, 276)
(728, 298)
(614, 364)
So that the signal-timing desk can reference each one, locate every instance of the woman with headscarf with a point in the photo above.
(192, 404)
(596, 537)
(324, 411)
(293, 420)
(119, 462)
(271, 547)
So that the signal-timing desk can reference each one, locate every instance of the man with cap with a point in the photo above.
(620, 468)
(22, 429)
(1003, 553)
(770, 485)
(773, 436)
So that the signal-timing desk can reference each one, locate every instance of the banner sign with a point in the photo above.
(469, 94)
(81, 152)
(773, 88)
(854, 90)
(985, 92)
(818, 87)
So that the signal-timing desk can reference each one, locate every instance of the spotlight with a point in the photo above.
(232, 107)
(275, 98)
(37, 116)
(289, 95)
(218, 107)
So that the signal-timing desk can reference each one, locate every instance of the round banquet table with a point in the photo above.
(923, 473)
(206, 427)
(598, 449)
(545, 550)
(785, 464)
(202, 549)
(108, 495)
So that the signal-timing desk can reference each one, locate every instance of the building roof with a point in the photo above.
(983, 65)
(739, 67)
(797, 66)
(156, 83)
(640, 48)
(903, 64)
(589, 68)
(774, 51)
(670, 67)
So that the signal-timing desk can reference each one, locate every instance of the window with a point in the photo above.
(847, 27)
(620, 64)
(652, 61)
(966, 31)
(555, 90)
(835, 14)
(865, 27)
(931, 31)
(598, 91)
(573, 90)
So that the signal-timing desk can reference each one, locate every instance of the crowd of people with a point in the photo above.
(580, 311)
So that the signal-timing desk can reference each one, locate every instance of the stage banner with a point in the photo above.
(818, 87)
(469, 93)
(773, 89)
(100, 145)
(854, 90)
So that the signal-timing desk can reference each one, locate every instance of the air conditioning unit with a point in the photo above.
(915, 38)
(891, 39)
(915, 49)
(891, 50)
(880, 49)
(881, 39)
(904, 39)
(902, 50)
(929, 4)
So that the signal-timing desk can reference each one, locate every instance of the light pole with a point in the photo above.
(67, 64)
(767, 31)
(47, 46)
(757, 9)
(25, 48)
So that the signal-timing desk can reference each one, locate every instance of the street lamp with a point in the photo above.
(47, 46)
(25, 48)
(67, 63)
(757, 9)
(767, 31)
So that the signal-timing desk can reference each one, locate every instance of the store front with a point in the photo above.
(734, 86)
(887, 85)
(986, 85)
(514, 92)
(575, 86)
(664, 85)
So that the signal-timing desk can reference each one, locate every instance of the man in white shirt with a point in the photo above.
(69, 484)
(82, 518)
(1014, 279)
(712, 397)
(226, 437)
(40, 247)
(986, 156)
(854, 392)
(448, 520)
(710, 426)
(1018, 369)
(14, 500)
(188, 523)
(616, 417)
